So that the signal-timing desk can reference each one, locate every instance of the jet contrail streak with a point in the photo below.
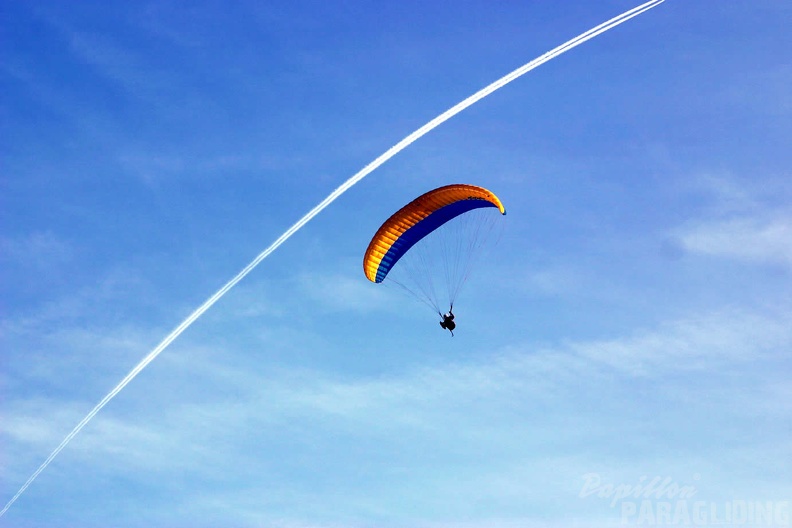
(398, 147)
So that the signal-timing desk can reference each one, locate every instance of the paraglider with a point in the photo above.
(435, 238)
(448, 322)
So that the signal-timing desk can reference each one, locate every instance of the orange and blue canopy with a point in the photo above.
(417, 219)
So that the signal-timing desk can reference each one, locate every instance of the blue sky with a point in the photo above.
(634, 320)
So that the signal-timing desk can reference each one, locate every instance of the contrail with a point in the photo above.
(398, 147)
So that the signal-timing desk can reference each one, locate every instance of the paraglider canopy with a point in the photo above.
(417, 219)
(435, 237)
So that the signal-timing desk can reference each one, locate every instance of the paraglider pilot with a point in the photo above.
(448, 322)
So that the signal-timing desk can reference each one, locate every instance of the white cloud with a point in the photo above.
(423, 399)
(741, 221)
(489, 430)
(417, 398)
(748, 238)
(694, 344)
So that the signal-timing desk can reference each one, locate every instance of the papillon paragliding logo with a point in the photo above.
(436, 239)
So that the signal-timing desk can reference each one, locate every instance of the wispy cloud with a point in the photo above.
(727, 337)
(496, 425)
(741, 222)
(751, 239)
(425, 397)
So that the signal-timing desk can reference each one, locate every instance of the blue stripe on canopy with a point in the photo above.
(413, 235)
